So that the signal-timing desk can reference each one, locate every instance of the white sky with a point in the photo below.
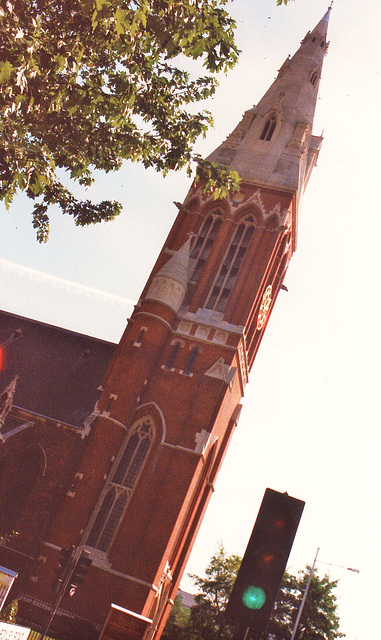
(310, 424)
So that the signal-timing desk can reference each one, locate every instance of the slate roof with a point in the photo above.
(59, 370)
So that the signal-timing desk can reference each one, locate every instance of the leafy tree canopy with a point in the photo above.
(87, 84)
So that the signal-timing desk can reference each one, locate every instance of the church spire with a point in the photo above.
(273, 144)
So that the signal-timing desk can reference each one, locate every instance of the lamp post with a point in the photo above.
(304, 597)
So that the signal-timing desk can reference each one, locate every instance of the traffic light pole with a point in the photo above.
(62, 590)
(241, 632)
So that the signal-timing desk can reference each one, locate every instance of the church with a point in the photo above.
(109, 453)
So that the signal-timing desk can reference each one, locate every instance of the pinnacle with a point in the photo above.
(177, 267)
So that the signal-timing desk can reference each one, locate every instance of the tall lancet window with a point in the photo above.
(313, 78)
(227, 274)
(120, 486)
(203, 243)
(269, 128)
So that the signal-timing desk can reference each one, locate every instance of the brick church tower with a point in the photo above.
(130, 482)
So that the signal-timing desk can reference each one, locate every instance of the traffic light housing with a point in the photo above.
(263, 565)
(64, 562)
(79, 573)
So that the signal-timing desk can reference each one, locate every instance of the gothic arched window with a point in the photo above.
(203, 243)
(269, 128)
(121, 484)
(227, 274)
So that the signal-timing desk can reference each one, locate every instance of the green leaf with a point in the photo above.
(6, 69)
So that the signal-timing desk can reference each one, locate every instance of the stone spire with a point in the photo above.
(273, 144)
(170, 282)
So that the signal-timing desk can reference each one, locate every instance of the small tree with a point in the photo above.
(319, 620)
(207, 620)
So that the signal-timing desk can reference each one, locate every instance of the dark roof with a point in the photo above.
(59, 370)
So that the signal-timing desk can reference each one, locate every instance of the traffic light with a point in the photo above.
(79, 573)
(63, 568)
(263, 565)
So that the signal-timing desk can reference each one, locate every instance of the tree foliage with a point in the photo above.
(178, 622)
(319, 620)
(87, 84)
(205, 621)
(9, 613)
(207, 617)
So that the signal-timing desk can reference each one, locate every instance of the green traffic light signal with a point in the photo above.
(254, 598)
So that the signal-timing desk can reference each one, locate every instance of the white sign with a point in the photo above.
(13, 632)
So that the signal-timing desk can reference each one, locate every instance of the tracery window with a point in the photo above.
(203, 243)
(227, 274)
(269, 128)
(121, 485)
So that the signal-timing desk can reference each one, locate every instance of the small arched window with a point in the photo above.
(191, 360)
(173, 354)
(123, 480)
(203, 243)
(227, 274)
(269, 128)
